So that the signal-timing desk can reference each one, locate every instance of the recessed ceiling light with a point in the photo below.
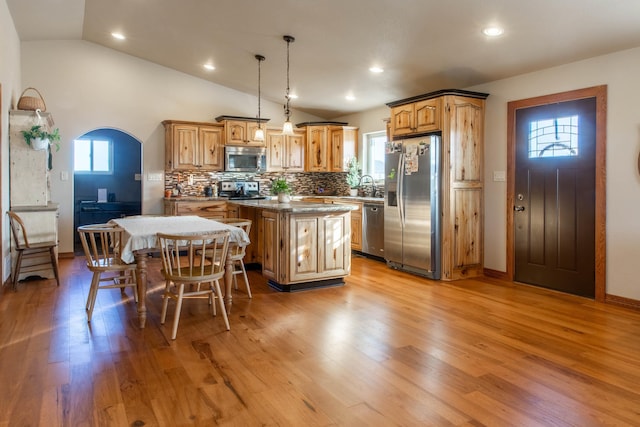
(376, 70)
(209, 67)
(293, 96)
(350, 98)
(493, 31)
(118, 36)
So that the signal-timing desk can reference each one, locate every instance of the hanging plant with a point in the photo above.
(39, 139)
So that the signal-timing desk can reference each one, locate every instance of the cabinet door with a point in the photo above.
(185, 146)
(271, 241)
(236, 132)
(210, 140)
(295, 152)
(304, 248)
(317, 149)
(402, 120)
(275, 151)
(427, 115)
(251, 131)
(335, 142)
(335, 255)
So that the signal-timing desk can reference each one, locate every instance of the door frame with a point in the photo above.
(600, 94)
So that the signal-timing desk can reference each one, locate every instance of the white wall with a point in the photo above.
(10, 80)
(87, 86)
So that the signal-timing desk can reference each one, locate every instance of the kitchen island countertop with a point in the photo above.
(294, 206)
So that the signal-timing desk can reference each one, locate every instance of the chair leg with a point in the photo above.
(246, 279)
(135, 285)
(16, 272)
(93, 293)
(222, 308)
(54, 263)
(176, 319)
(165, 303)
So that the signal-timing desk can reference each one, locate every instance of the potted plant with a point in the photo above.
(39, 139)
(282, 189)
(354, 174)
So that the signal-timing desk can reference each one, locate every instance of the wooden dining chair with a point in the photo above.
(191, 260)
(101, 244)
(37, 254)
(237, 252)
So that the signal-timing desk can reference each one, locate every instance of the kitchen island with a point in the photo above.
(301, 245)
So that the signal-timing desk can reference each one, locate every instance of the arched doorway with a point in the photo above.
(107, 177)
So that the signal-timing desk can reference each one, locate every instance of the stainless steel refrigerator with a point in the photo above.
(412, 205)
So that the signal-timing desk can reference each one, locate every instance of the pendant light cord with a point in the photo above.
(287, 112)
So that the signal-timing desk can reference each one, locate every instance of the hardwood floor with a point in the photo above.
(386, 349)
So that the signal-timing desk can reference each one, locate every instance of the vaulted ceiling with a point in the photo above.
(422, 45)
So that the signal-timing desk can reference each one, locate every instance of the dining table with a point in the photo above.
(140, 234)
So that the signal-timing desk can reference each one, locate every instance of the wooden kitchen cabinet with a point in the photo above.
(416, 117)
(356, 224)
(193, 145)
(205, 209)
(330, 145)
(240, 130)
(343, 142)
(460, 115)
(285, 152)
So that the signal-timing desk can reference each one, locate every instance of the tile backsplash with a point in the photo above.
(303, 183)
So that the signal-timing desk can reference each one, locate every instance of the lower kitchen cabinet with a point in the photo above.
(356, 224)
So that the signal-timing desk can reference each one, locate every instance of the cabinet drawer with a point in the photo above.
(203, 209)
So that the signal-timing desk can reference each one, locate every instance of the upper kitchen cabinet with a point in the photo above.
(416, 117)
(241, 130)
(343, 142)
(193, 145)
(330, 145)
(285, 152)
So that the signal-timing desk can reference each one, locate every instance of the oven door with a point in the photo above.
(245, 159)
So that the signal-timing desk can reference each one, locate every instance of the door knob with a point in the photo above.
(518, 208)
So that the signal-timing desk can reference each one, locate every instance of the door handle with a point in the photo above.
(518, 208)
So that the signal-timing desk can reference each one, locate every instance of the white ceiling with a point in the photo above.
(423, 45)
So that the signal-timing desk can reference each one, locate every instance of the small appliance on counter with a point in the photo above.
(240, 190)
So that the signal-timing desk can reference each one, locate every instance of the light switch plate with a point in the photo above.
(154, 177)
(499, 176)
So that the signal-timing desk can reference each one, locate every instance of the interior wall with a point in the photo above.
(10, 81)
(87, 86)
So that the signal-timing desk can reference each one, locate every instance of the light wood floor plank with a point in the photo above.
(388, 348)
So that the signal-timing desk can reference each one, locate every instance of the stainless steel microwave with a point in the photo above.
(245, 159)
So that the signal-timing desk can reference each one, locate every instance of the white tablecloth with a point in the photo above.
(141, 231)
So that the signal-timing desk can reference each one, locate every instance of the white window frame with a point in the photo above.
(367, 161)
(92, 172)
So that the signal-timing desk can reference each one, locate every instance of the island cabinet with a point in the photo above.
(461, 123)
(241, 130)
(304, 245)
(285, 152)
(193, 145)
(330, 145)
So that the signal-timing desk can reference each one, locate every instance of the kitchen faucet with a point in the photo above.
(371, 191)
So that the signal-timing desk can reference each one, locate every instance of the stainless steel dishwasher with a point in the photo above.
(373, 229)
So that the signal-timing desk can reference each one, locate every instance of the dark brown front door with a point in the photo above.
(554, 200)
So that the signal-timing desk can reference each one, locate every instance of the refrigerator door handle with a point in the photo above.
(401, 187)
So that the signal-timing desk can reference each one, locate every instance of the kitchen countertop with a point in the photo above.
(378, 200)
(294, 206)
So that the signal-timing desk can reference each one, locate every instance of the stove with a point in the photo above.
(241, 190)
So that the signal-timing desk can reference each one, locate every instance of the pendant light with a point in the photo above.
(259, 134)
(287, 128)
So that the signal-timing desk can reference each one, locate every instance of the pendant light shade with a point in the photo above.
(287, 128)
(259, 134)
